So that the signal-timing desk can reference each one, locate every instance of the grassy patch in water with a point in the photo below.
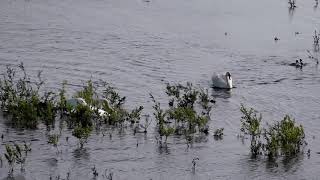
(188, 112)
(21, 100)
(284, 137)
(26, 104)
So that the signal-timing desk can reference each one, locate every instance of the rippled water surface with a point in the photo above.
(138, 46)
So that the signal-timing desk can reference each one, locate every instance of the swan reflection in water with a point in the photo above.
(221, 93)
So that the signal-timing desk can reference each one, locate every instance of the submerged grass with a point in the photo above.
(187, 114)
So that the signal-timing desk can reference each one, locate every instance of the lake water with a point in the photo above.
(140, 45)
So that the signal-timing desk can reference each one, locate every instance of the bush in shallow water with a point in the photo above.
(188, 112)
(250, 124)
(21, 100)
(284, 137)
(82, 133)
(113, 104)
(81, 120)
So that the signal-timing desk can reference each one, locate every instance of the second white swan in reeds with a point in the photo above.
(223, 81)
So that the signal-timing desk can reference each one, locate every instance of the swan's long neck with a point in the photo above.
(229, 81)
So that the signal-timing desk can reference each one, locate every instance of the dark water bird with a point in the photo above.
(295, 64)
(298, 64)
(301, 63)
(276, 38)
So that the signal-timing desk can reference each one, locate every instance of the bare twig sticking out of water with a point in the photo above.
(316, 39)
(292, 4)
(68, 175)
(1, 161)
(108, 175)
(308, 153)
(310, 56)
(94, 171)
(194, 163)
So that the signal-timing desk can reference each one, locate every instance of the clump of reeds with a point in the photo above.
(14, 156)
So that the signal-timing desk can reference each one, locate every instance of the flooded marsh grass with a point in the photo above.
(155, 47)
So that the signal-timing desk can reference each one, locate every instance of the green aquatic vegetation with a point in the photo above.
(113, 97)
(21, 100)
(205, 101)
(166, 131)
(53, 139)
(146, 124)
(47, 108)
(291, 136)
(81, 122)
(82, 133)
(62, 103)
(284, 137)
(135, 115)
(188, 112)
(89, 94)
(14, 156)
(250, 125)
(113, 103)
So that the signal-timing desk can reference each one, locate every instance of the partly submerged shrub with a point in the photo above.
(82, 133)
(188, 112)
(21, 100)
(113, 104)
(250, 124)
(284, 137)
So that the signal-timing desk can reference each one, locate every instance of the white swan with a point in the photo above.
(222, 81)
(74, 102)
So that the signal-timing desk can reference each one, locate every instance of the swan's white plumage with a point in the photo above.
(222, 81)
(74, 102)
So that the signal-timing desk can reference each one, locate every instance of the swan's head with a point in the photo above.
(228, 75)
